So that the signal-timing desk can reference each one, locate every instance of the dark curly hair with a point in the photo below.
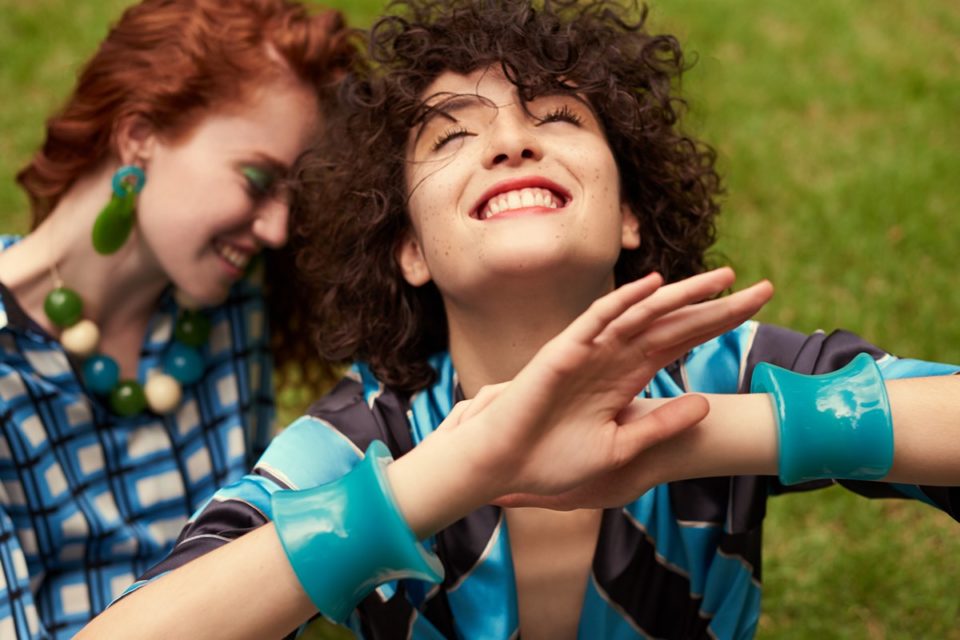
(353, 199)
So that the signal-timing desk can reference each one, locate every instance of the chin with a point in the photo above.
(215, 297)
(549, 257)
(202, 297)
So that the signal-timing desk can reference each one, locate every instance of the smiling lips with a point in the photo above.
(236, 258)
(515, 196)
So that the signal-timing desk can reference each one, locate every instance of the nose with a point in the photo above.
(270, 225)
(513, 139)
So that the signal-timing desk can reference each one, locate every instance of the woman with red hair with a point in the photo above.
(135, 376)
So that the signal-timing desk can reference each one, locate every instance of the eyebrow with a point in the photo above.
(444, 108)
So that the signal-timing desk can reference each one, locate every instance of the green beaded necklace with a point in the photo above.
(182, 364)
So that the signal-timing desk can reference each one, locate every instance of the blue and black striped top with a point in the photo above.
(681, 561)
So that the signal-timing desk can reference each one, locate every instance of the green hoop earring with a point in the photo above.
(113, 224)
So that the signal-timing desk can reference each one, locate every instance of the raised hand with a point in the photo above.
(562, 421)
(616, 486)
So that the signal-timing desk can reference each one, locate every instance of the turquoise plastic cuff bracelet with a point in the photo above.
(834, 425)
(345, 538)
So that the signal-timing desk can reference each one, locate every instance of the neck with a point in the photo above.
(493, 335)
(119, 291)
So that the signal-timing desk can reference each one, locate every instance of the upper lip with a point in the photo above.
(514, 184)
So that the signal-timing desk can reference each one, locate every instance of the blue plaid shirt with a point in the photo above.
(89, 500)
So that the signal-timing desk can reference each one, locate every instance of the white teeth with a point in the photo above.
(237, 258)
(520, 199)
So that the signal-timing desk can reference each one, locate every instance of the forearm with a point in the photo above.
(444, 478)
(244, 589)
(248, 588)
(740, 436)
(926, 423)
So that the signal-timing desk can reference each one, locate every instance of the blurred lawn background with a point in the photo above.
(838, 128)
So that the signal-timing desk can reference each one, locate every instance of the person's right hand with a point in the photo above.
(562, 421)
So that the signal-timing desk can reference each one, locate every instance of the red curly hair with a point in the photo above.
(168, 61)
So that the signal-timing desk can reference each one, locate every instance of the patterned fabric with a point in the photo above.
(89, 500)
(682, 561)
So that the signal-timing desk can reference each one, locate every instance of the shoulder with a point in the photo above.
(7, 240)
(363, 410)
(30, 365)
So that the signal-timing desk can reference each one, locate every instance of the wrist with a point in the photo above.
(344, 538)
(834, 425)
(441, 480)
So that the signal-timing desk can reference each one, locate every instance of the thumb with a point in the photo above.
(636, 435)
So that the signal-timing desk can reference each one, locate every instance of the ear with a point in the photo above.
(135, 140)
(409, 255)
(630, 228)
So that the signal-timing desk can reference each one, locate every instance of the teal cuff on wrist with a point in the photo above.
(833, 425)
(345, 538)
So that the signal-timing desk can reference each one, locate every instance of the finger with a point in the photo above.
(685, 328)
(638, 408)
(664, 422)
(739, 302)
(666, 299)
(610, 307)
(681, 348)
(456, 415)
(658, 358)
(484, 397)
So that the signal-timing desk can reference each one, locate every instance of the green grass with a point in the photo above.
(838, 132)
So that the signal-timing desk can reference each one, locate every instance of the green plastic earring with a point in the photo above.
(113, 225)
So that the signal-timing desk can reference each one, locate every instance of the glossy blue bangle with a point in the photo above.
(834, 425)
(345, 538)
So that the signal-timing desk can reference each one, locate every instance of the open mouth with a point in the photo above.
(527, 195)
(527, 198)
(234, 257)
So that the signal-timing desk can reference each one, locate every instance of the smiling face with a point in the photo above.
(211, 200)
(497, 190)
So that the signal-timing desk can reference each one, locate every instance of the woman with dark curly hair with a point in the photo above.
(625, 74)
(477, 227)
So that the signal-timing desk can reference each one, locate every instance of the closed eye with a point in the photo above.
(563, 113)
(453, 132)
(260, 182)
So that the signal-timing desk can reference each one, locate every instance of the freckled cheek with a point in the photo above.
(422, 212)
(434, 200)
